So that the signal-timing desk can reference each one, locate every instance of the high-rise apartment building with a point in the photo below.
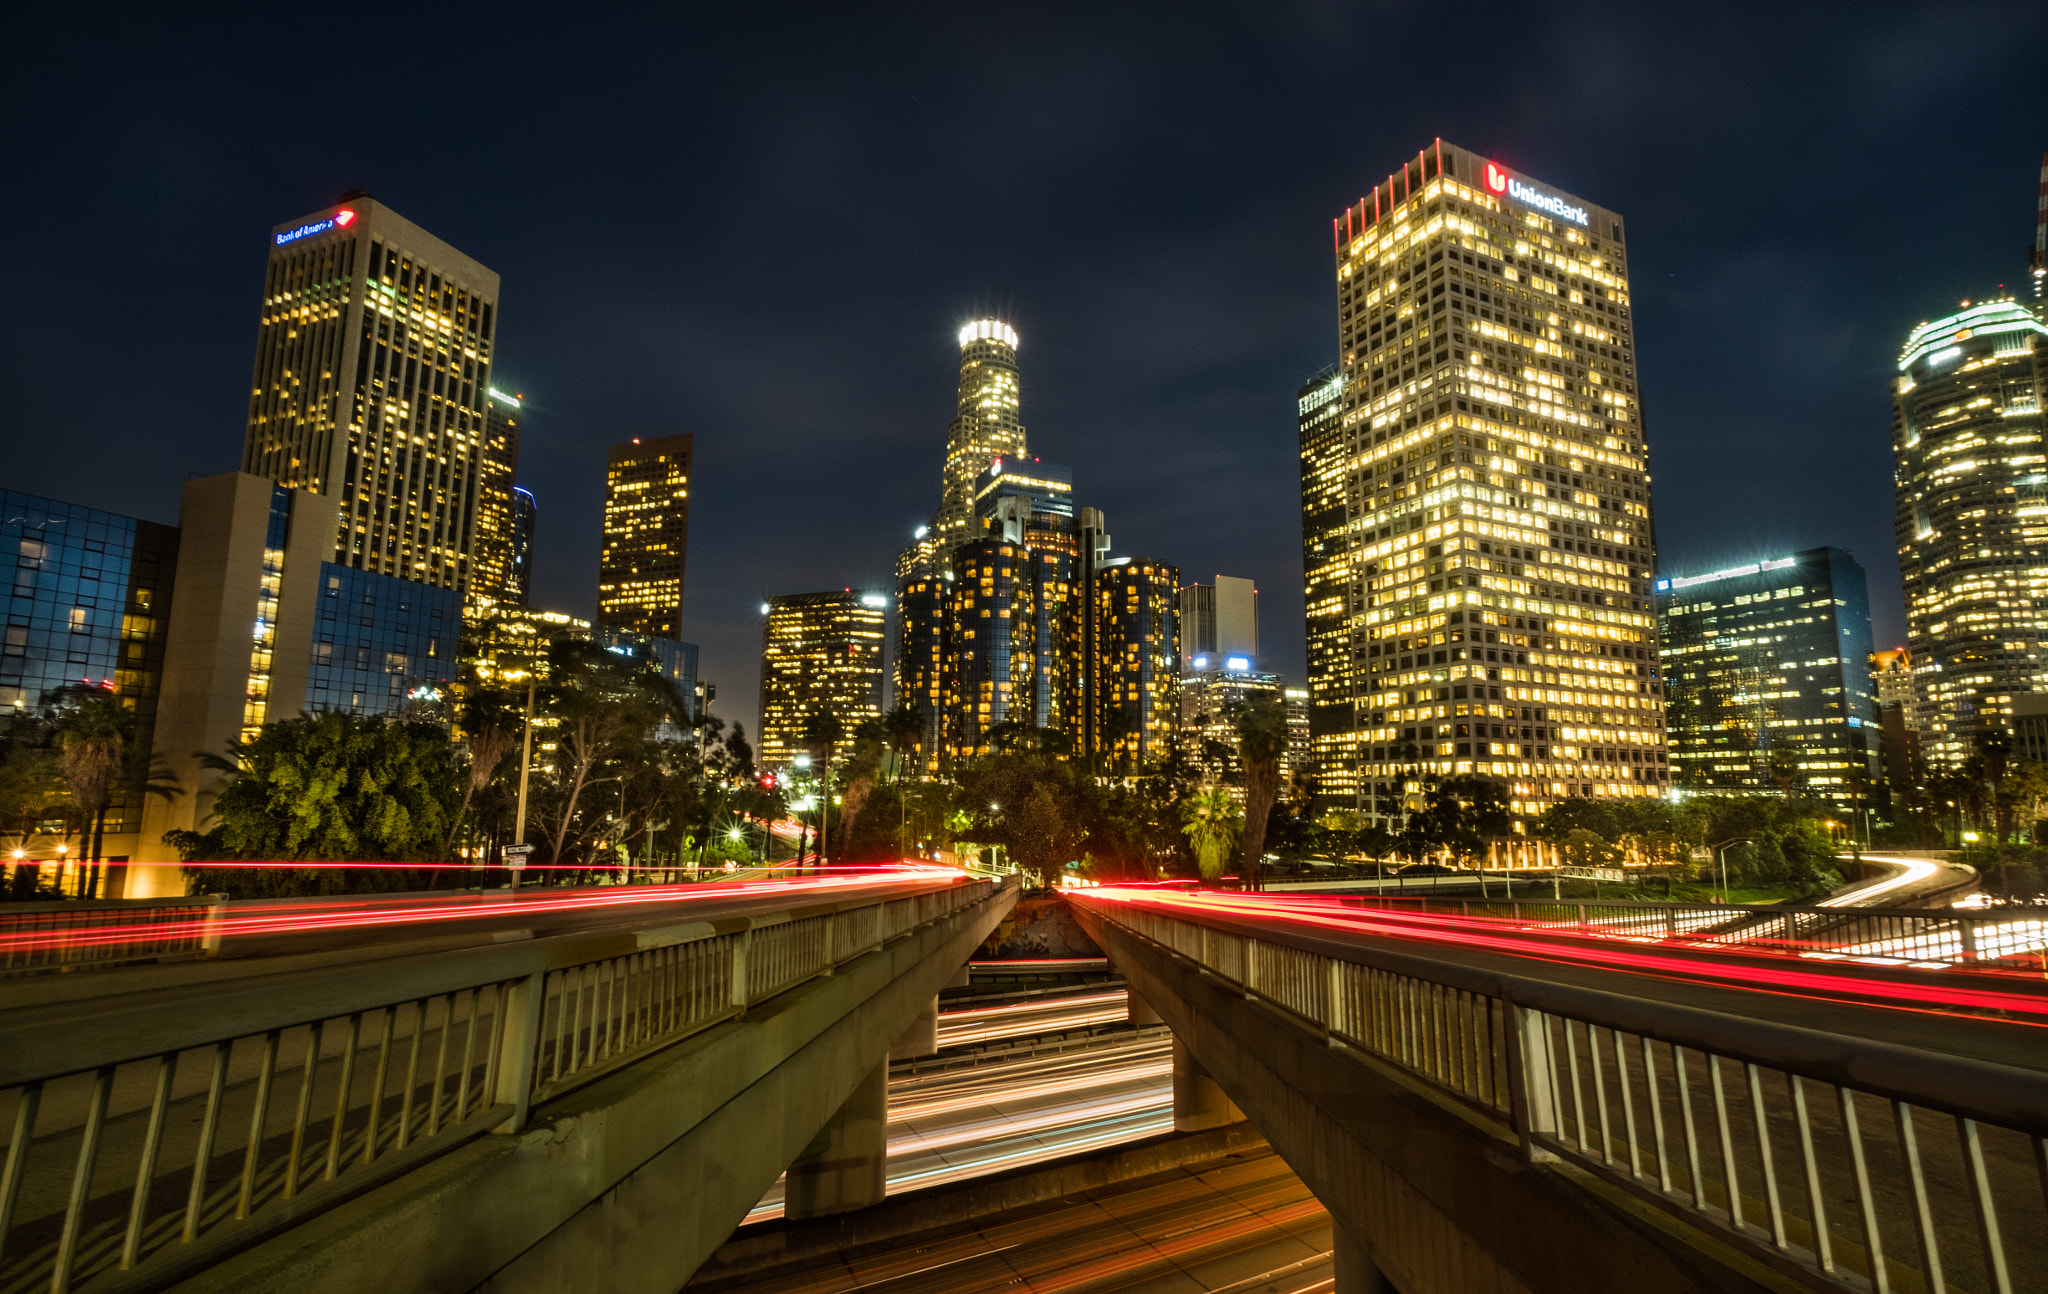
(820, 653)
(494, 557)
(1972, 519)
(1476, 523)
(373, 358)
(1767, 677)
(1219, 620)
(646, 536)
(1136, 663)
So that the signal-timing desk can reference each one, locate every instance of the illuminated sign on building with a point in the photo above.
(1733, 572)
(341, 219)
(1499, 181)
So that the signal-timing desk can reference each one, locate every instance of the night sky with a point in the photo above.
(764, 225)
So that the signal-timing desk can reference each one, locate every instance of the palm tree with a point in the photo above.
(1210, 819)
(490, 723)
(903, 726)
(93, 732)
(1261, 740)
(821, 733)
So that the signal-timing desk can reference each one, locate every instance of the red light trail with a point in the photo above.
(245, 919)
(1579, 948)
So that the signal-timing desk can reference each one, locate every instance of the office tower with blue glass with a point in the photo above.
(1767, 672)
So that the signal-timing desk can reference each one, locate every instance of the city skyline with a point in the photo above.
(1190, 378)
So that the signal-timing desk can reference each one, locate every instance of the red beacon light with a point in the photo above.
(344, 218)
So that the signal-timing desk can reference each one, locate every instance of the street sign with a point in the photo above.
(516, 855)
(1592, 873)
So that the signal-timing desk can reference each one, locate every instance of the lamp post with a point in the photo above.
(525, 767)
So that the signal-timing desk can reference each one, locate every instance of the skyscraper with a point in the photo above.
(494, 570)
(985, 426)
(1891, 678)
(372, 361)
(525, 518)
(1767, 674)
(1972, 519)
(1136, 662)
(1478, 600)
(646, 536)
(1209, 700)
(1219, 620)
(820, 653)
(1012, 627)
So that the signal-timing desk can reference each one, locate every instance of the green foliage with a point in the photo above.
(1212, 820)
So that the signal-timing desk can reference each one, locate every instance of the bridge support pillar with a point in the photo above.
(1198, 1102)
(921, 1038)
(846, 1165)
(1356, 1272)
(1139, 1012)
(961, 978)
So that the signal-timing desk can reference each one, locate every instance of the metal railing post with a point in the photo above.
(1967, 927)
(210, 925)
(742, 948)
(519, 1049)
(1529, 1080)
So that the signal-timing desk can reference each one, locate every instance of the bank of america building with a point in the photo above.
(1771, 656)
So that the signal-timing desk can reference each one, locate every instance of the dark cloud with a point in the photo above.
(763, 224)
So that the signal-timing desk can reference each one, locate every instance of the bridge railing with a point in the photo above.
(149, 1139)
(40, 937)
(1934, 936)
(1847, 1163)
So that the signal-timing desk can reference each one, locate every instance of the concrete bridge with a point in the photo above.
(590, 1109)
(1477, 1120)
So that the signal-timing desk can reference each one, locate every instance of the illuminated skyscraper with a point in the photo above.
(646, 535)
(1219, 620)
(1766, 668)
(1137, 662)
(985, 426)
(372, 362)
(1475, 509)
(1012, 626)
(1972, 519)
(525, 518)
(494, 572)
(820, 653)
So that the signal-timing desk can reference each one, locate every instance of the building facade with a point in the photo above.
(646, 536)
(495, 567)
(1766, 670)
(1136, 663)
(820, 653)
(1209, 700)
(86, 607)
(525, 517)
(1972, 519)
(1219, 620)
(1477, 526)
(373, 358)
(1891, 681)
(381, 644)
(985, 425)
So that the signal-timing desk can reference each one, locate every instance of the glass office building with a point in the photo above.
(380, 642)
(821, 653)
(86, 604)
(1771, 657)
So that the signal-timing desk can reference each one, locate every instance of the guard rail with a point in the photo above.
(1758, 1132)
(40, 937)
(149, 1140)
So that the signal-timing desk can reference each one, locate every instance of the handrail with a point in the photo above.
(310, 1086)
(182, 937)
(1609, 1081)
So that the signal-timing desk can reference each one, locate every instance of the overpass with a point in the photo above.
(1511, 1112)
(574, 1093)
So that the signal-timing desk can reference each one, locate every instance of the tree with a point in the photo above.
(1782, 763)
(1212, 820)
(491, 721)
(601, 704)
(903, 728)
(863, 765)
(1261, 725)
(332, 787)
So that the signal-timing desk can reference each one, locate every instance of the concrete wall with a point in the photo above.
(224, 521)
(1439, 1200)
(626, 1185)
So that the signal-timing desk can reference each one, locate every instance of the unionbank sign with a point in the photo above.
(1500, 181)
(341, 219)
